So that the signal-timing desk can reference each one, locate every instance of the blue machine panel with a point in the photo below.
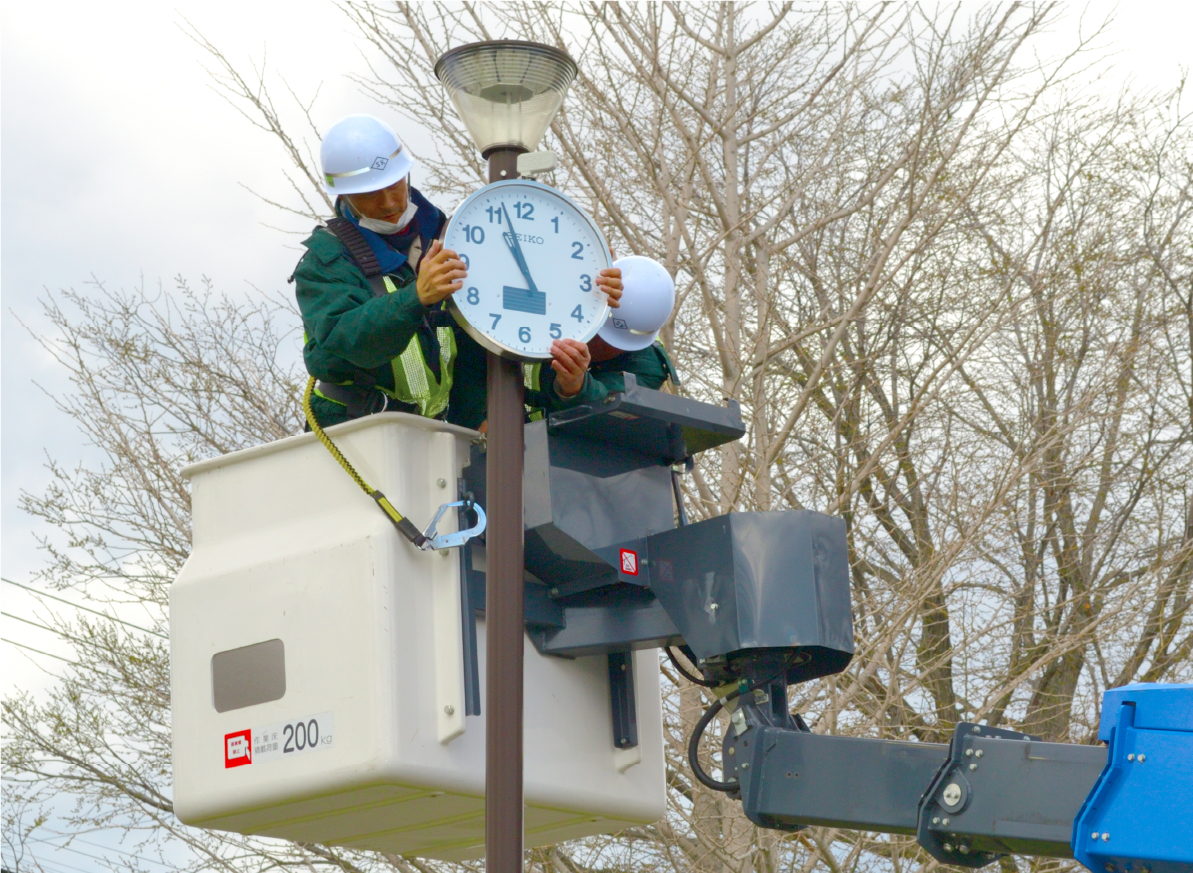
(1139, 816)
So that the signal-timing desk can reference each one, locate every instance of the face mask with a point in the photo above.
(378, 226)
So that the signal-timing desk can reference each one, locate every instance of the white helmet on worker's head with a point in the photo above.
(647, 299)
(361, 153)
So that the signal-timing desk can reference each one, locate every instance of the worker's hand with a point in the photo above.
(440, 274)
(610, 282)
(570, 360)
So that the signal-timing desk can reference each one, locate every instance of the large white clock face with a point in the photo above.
(533, 257)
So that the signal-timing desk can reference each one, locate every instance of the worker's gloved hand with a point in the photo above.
(441, 273)
(609, 281)
(570, 360)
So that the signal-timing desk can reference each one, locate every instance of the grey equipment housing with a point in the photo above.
(746, 594)
(760, 600)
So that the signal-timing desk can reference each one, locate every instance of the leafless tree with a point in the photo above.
(951, 288)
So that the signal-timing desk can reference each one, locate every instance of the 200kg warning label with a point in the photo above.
(281, 740)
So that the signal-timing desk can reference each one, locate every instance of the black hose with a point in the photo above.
(695, 680)
(694, 748)
(697, 732)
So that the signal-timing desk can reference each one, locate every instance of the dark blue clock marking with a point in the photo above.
(524, 300)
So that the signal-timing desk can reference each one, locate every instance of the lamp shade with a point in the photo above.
(506, 91)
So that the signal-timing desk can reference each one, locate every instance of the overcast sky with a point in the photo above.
(118, 162)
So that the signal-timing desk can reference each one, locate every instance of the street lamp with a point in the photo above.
(507, 92)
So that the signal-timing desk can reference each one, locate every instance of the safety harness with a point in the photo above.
(422, 373)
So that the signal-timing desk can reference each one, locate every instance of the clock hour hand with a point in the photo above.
(515, 247)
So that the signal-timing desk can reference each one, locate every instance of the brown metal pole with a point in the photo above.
(504, 627)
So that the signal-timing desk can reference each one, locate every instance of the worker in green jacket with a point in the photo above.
(626, 343)
(371, 288)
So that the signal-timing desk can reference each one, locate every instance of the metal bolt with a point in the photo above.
(442, 483)
(952, 794)
(1142, 758)
(969, 753)
(732, 751)
(444, 553)
(948, 847)
(1106, 837)
(1131, 756)
(935, 819)
(449, 709)
(963, 849)
(944, 822)
(977, 728)
(745, 765)
(978, 753)
(1109, 867)
(554, 592)
(1094, 835)
(973, 766)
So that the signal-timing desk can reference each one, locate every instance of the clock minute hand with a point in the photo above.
(515, 247)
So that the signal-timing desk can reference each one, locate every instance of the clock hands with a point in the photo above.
(515, 247)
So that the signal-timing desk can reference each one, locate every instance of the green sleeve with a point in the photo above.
(605, 378)
(341, 316)
(593, 390)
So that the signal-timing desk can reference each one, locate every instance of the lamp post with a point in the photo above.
(506, 92)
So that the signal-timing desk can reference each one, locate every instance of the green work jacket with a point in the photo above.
(354, 337)
(650, 366)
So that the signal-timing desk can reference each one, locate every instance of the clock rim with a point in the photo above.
(483, 339)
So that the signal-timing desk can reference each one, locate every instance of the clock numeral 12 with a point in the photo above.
(529, 210)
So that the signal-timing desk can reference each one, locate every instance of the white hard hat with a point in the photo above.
(646, 303)
(361, 153)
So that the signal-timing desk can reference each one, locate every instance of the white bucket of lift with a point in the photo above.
(317, 659)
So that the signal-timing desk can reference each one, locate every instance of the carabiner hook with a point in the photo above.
(439, 541)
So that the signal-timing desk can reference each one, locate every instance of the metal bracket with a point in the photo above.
(439, 541)
(472, 682)
(949, 795)
(622, 699)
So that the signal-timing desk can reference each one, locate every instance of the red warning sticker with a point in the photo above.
(629, 562)
(238, 749)
(278, 741)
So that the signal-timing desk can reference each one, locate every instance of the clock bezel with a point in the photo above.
(605, 261)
